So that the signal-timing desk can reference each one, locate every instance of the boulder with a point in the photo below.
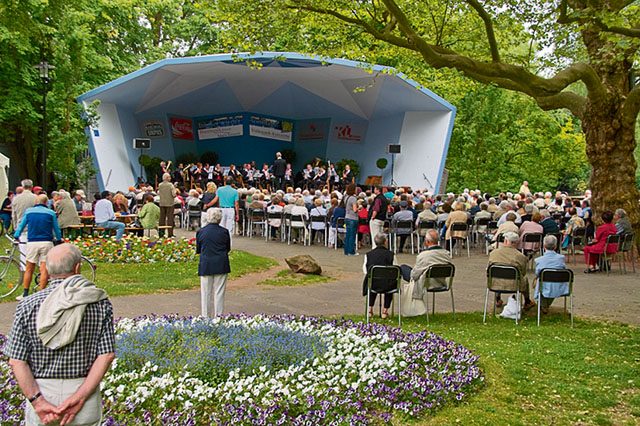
(304, 264)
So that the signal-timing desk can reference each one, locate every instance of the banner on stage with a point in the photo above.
(221, 127)
(153, 129)
(311, 130)
(181, 128)
(271, 128)
(351, 132)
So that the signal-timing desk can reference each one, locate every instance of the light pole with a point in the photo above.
(44, 67)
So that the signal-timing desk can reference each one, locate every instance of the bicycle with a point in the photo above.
(12, 269)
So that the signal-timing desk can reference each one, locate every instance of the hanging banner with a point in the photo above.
(271, 128)
(221, 127)
(352, 132)
(181, 128)
(153, 129)
(311, 130)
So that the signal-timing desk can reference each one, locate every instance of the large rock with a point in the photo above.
(304, 264)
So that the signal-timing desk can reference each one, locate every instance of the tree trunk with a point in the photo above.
(610, 149)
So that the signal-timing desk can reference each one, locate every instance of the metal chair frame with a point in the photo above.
(501, 271)
(388, 273)
(274, 216)
(578, 235)
(340, 225)
(298, 222)
(426, 225)
(627, 246)
(401, 224)
(445, 270)
(321, 219)
(611, 239)
(258, 218)
(459, 227)
(550, 275)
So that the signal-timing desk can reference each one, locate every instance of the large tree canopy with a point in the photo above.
(564, 54)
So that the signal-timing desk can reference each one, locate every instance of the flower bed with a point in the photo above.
(273, 370)
(133, 249)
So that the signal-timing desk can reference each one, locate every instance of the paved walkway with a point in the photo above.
(614, 297)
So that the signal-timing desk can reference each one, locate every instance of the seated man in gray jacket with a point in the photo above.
(433, 254)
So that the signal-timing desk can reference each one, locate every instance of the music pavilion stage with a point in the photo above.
(247, 107)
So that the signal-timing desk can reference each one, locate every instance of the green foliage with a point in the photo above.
(151, 165)
(187, 158)
(289, 155)
(381, 163)
(209, 157)
(502, 138)
(355, 167)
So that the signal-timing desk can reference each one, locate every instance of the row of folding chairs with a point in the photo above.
(447, 271)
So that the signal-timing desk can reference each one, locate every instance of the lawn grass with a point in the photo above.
(127, 279)
(543, 375)
(288, 278)
(123, 279)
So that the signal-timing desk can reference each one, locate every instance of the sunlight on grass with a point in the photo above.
(543, 375)
(288, 278)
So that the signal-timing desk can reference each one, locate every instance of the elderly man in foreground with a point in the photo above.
(61, 345)
(433, 254)
(550, 260)
(508, 254)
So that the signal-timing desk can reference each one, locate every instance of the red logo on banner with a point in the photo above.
(181, 128)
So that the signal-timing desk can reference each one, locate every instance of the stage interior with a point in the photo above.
(248, 106)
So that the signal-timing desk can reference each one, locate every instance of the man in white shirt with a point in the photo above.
(105, 217)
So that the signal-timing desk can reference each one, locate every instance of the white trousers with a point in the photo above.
(22, 247)
(228, 220)
(376, 226)
(56, 391)
(212, 289)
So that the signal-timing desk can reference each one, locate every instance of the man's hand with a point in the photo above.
(45, 410)
(69, 408)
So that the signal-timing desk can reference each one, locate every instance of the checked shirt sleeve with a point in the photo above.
(107, 341)
(18, 345)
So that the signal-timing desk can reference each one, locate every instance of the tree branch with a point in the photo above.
(488, 25)
(569, 100)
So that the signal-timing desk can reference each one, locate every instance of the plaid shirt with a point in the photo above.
(95, 337)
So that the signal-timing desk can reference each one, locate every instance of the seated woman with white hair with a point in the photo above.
(213, 244)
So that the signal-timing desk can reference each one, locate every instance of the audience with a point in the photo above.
(380, 256)
(508, 254)
(549, 260)
(595, 249)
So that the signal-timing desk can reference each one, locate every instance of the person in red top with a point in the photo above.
(363, 222)
(593, 251)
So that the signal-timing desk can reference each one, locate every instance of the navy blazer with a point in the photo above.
(213, 244)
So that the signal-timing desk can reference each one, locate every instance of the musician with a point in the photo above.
(321, 177)
(347, 176)
(266, 177)
(279, 168)
(334, 178)
(234, 173)
(209, 171)
(308, 176)
(258, 177)
(177, 174)
(198, 175)
(165, 168)
(288, 176)
(217, 175)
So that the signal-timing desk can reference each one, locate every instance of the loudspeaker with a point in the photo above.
(141, 143)
(393, 149)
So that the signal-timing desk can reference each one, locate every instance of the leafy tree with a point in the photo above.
(564, 54)
(503, 138)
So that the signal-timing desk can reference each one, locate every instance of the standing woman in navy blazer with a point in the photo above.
(213, 244)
